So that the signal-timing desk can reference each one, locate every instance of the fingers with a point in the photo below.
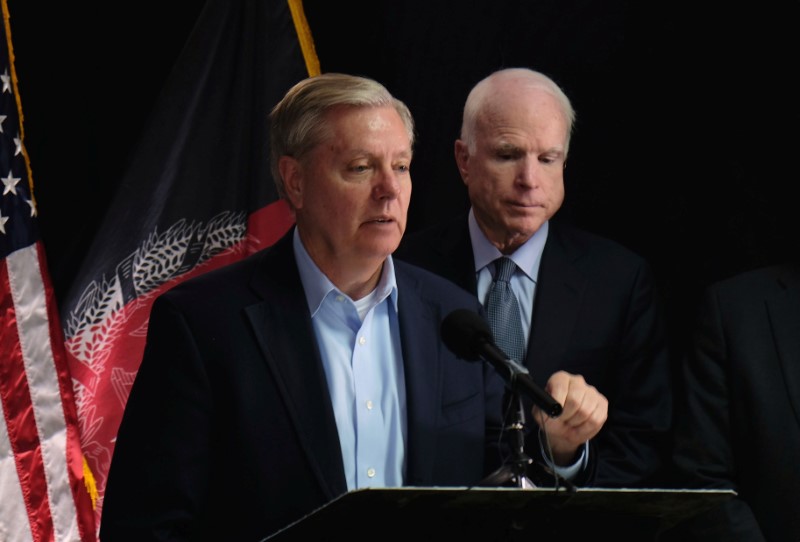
(585, 409)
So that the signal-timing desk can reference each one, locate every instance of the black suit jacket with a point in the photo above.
(596, 313)
(739, 424)
(229, 431)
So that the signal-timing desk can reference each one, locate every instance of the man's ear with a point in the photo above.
(292, 174)
(462, 159)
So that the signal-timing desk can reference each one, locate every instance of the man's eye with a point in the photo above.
(549, 160)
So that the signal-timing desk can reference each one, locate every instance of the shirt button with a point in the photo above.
(371, 472)
(340, 298)
(362, 341)
(369, 405)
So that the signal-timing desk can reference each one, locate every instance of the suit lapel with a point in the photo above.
(558, 296)
(282, 326)
(419, 337)
(784, 311)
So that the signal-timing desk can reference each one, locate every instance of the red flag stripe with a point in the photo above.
(41, 464)
(72, 447)
(32, 403)
(18, 412)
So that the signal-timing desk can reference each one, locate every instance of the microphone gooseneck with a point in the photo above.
(469, 337)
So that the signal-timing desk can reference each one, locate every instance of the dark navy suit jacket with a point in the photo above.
(229, 431)
(596, 313)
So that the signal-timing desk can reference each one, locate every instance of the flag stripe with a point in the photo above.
(41, 463)
(75, 504)
(46, 429)
(14, 505)
(18, 409)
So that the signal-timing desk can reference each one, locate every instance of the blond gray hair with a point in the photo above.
(297, 122)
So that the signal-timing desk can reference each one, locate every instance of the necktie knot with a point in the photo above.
(504, 268)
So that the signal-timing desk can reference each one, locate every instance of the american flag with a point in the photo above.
(196, 195)
(44, 485)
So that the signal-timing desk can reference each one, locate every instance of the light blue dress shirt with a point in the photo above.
(360, 348)
(528, 258)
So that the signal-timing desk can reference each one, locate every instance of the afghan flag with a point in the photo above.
(45, 486)
(197, 194)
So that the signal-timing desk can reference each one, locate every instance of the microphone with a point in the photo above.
(468, 336)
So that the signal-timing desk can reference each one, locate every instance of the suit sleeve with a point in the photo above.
(632, 448)
(153, 492)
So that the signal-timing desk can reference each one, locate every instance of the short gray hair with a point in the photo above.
(296, 122)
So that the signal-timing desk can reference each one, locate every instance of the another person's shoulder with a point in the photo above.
(220, 287)
(229, 274)
(441, 248)
(432, 286)
(591, 245)
(433, 238)
(782, 272)
(777, 277)
(236, 274)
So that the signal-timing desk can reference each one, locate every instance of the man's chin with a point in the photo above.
(524, 227)
(380, 249)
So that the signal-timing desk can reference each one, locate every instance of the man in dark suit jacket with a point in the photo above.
(738, 425)
(596, 335)
(273, 385)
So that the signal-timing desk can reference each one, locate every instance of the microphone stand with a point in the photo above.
(514, 469)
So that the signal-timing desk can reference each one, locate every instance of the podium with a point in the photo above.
(499, 514)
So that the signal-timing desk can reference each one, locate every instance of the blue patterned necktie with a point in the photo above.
(502, 309)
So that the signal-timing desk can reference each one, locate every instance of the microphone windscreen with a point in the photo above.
(464, 331)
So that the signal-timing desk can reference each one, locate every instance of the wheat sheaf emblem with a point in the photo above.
(97, 317)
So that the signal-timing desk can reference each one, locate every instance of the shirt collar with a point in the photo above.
(528, 257)
(317, 286)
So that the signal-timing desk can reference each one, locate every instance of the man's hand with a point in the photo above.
(585, 411)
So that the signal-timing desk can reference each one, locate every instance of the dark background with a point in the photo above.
(685, 145)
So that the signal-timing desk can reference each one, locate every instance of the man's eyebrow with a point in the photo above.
(506, 146)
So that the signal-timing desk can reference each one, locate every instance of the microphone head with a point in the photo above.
(464, 332)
